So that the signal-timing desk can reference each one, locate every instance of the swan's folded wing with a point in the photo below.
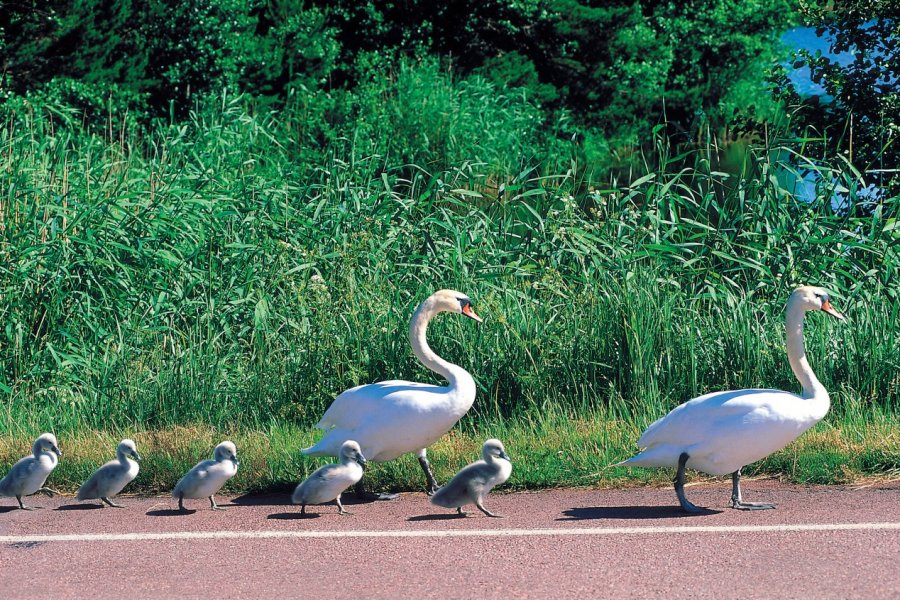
(360, 404)
(695, 418)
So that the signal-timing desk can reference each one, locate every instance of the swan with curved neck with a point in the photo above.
(721, 432)
(392, 418)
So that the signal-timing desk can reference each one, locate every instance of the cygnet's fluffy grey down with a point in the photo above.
(208, 476)
(328, 482)
(113, 476)
(472, 484)
(29, 474)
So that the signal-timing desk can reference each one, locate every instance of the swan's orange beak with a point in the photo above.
(467, 310)
(826, 307)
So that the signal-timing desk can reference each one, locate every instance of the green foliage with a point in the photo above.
(857, 116)
(200, 272)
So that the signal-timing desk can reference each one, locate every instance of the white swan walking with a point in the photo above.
(472, 484)
(328, 482)
(28, 475)
(208, 476)
(721, 432)
(113, 476)
(392, 418)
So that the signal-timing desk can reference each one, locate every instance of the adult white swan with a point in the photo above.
(721, 432)
(392, 418)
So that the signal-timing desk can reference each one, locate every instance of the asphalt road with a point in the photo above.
(821, 542)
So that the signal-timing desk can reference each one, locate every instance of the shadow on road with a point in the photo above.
(631, 512)
(263, 500)
(79, 507)
(291, 516)
(437, 517)
(169, 512)
(6, 509)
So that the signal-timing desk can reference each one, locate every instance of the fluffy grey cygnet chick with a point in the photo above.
(208, 476)
(113, 476)
(329, 481)
(472, 484)
(28, 475)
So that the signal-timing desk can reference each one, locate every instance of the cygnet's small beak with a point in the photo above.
(469, 312)
(361, 459)
(235, 460)
(56, 451)
(136, 456)
(505, 455)
(826, 307)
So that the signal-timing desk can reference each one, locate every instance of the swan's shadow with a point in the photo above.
(437, 517)
(274, 499)
(631, 513)
(293, 516)
(6, 509)
(169, 512)
(80, 507)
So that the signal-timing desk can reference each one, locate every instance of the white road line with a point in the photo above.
(441, 533)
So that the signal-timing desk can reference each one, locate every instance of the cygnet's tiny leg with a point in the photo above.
(679, 486)
(111, 503)
(212, 503)
(341, 510)
(431, 484)
(49, 491)
(738, 503)
(486, 511)
(22, 506)
(181, 503)
(303, 509)
(461, 512)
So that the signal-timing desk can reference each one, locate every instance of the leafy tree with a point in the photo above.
(858, 114)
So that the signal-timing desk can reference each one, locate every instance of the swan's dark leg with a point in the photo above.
(431, 484)
(736, 501)
(22, 506)
(111, 503)
(679, 486)
(213, 505)
(49, 491)
(460, 511)
(181, 502)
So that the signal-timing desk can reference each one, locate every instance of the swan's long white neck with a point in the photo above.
(796, 351)
(459, 380)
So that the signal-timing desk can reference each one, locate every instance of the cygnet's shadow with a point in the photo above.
(6, 509)
(291, 516)
(631, 513)
(437, 517)
(89, 506)
(169, 512)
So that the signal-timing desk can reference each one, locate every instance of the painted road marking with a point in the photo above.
(441, 533)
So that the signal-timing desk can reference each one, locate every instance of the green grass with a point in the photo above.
(233, 273)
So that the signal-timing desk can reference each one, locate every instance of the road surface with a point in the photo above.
(821, 542)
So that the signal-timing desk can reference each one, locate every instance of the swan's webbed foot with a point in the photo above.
(50, 492)
(213, 505)
(22, 505)
(111, 503)
(461, 512)
(686, 504)
(363, 495)
(738, 503)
